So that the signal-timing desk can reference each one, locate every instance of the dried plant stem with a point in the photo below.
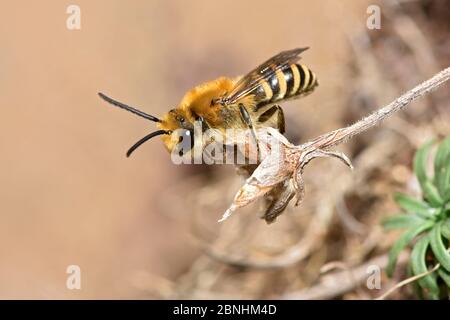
(287, 164)
(407, 281)
(340, 282)
(341, 135)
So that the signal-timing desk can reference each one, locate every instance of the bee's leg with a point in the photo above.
(277, 199)
(246, 117)
(273, 117)
(280, 120)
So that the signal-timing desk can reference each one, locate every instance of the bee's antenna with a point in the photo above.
(128, 108)
(146, 138)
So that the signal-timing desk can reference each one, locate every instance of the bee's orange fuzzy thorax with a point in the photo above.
(196, 102)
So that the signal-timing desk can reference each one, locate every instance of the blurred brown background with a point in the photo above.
(68, 194)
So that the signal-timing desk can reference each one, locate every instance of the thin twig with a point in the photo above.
(337, 283)
(289, 160)
(408, 280)
(344, 134)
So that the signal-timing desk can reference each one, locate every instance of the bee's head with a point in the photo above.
(181, 137)
(176, 131)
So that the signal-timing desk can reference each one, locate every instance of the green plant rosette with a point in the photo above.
(426, 224)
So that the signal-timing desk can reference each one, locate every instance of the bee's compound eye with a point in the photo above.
(189, 137)
(185, 135)
(186, 141)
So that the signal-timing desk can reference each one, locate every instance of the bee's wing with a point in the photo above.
(247, 84)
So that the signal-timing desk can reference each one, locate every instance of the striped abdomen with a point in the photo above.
(290, 82)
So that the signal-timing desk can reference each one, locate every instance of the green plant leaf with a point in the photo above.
(442, 153)
(431, 193)
(442, 166)
(417, 289)
(418, 263)
(447, 194)
(445, 229)
(438, 247)
(413, 205)
(420, 162)
(445, 187)
(402, 242)
(401, 221)
(445, 275)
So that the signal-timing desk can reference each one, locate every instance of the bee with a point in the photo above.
(247, 102)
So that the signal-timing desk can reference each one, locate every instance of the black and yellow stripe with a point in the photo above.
(292, 81)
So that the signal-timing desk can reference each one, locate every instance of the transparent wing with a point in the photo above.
(247, 84)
